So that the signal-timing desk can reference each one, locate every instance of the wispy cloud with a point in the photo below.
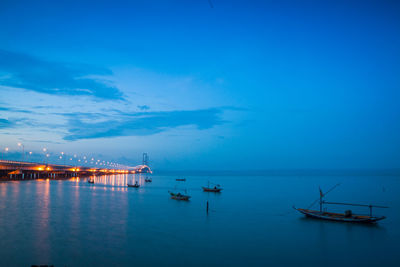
(25, 71)
(143, 107)
(5, 123)
(142, 123)
(14, 110)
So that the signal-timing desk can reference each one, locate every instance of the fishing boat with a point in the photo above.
(179, 196)
(91, 181)
(181, 179)
(216, 189)
(347, 216)
(148, 180)
(136, 185)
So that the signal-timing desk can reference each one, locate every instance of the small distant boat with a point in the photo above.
(90, 181)
(148, 180)
(136, 185)
(216, 189)
(181, 179)
(348, 216)
(179, 196)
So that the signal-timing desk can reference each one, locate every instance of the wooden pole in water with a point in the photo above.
(207, 206)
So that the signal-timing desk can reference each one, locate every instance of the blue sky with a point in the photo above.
(200, 84)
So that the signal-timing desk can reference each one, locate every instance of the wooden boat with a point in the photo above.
(348, 216)
(91, 181)
(148, 180)
(340, 217)
(179, 196)
(136, 185)
(181, 179)
(216, 189)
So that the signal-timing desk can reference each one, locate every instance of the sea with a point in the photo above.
(252, 222)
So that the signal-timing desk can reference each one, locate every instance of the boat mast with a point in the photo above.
(321, 195)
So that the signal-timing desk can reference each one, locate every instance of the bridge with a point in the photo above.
(20, 170)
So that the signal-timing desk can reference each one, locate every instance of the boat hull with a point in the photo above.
(185, 198)
(339, 217)
(179, 196)
(214, 190)
(133, 185)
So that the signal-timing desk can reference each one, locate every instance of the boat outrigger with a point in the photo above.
(348, 216)
(216, 189)
(136, 185)
(179, 196)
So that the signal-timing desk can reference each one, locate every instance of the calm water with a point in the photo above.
(73, 223)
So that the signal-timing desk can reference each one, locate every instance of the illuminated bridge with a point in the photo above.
(31, 170)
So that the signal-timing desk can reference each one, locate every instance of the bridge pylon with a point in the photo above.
(145, 159)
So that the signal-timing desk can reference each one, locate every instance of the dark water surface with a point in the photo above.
(73, 223)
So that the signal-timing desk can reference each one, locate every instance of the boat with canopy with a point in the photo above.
(347, 216)
(215, 189)
(179, 196)
(136, 185)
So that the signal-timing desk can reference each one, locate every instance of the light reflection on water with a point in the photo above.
(118, 180)
(75, 223)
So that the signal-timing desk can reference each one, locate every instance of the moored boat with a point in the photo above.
(136, 185)
(91, 181)
(179, 196)
(148, 180)
(216, 189)
(181, 179)
(347, 216)
(340, 217)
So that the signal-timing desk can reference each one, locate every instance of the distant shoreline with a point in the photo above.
(278, 172)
